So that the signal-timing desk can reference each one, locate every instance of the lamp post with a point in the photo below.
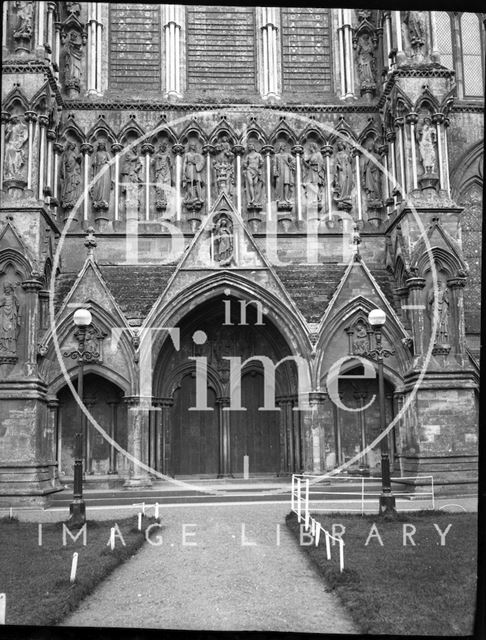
(377, 319)
(77, 509)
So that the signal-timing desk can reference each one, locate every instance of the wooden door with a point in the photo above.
(195, 436)
(254, 433)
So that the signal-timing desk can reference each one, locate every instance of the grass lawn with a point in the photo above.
(396, 589)
(35, 578)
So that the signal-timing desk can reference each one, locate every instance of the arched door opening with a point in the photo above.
(354, 430)
(104, 400)
(222, 441)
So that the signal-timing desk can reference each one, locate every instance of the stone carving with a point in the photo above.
(223, 241)
(71, 60)
(100, 191)
(73, 8)
(315, 177)
(162, 176)
(442, 311)
(360, 342)
(131, 180)
(427, 140)
(70, 176)
(223, 166)
(9, 321)
(192, 183)
(371, 177)
(284, 176)
(343, 176)
(24, 27)
(416, 23)
(16, 135)
(252, 175)
(365, 41)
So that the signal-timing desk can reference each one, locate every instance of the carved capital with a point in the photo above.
(147, 148)
(267, 149)
(58, 148)
(415, 283)
(297, 149)
(86, 148)
(438, 117)
(5, 117)
(457, 283)
(327, 150)
(412, 118)
(238, 149)
(32, 285)
(30, 116)
(178, 149)
(43, 121)
(208, 148)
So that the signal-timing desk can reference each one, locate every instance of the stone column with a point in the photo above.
(51, 437)
(40, 27)
(57, 49)
(357, 155)
(417, 314)
(208, 150)
(30, 118)
(173, 17)
(348, 53)
(393, 192)
(224, 438)
(58, 150)
(298, 151)
(51, 7)
(178, 149)
(49, 186)
(269, 30)
(267, 149)
(137, 425)
(86, 150)
(284, 460)
(447, 182)
(89, 403)
(147, 150)
(364, 466)
(30, 322)
(113, 433)
(314, 434)
(290, 435)
(43, 122)
(327, 151)
(166, 435)
(5, 119)
(401, 58)
(297, 436)
(456, 288)
(238, 150)
(399, 125)
(412, 119)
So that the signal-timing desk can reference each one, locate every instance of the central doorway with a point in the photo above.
(220, 441)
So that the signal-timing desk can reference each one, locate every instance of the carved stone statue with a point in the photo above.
(417, 32)
(24, 28)
(360, 343)
(427, 141)
(131, 179)
(284, 171)
(223, 241)
(9, 321)
(162, 175)
(343, 176)
(315, 177)
(71, 59)
(366, 61)
(100, 191)
(70, 176)
(223, 167)
(442, 311)
(371, 176)
(192, 167)
(16, 135)
(252, 175)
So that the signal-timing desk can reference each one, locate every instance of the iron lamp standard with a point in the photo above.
(77, 509)
(377, 319)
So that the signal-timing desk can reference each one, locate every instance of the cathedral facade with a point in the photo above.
(229, 191)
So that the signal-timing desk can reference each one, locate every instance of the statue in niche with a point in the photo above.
(252, 175)
(315, 178)
(283, 171)
(192, 167)
(427, 140)
(131, 179)
(442, 311)
(360, 343)
(343, 176)
(23, 29)
(371, 176)
(223, 241)
(71, 59)
(9, 320)
(162, 175)
(100, 191)
(365, 47)
(223, 167)
(16, 135)
(416, 25)
(70, 176)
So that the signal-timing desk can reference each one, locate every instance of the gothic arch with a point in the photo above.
(59, 381)
(101, 128)
(468, 170)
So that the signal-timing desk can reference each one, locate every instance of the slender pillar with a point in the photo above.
(89, 403)
(298, 150)
(357, 154)
(99, 34)
(147, 150)
(4, 30)
(49, 187)
(291, 468)
(224, 438)
(59, 440)
(138, 412)
(178, 149)
(166, 436)
(5, 119)
(51, 7)
(86, 150)
(340, 34)
(116, 147)
(50, 437)
(284, 460)
(456, 286)
(58, 149)
(327, 152)
(208, 149)
(267, 149)
(296, 429)
(412, 120)
(364, 467)
(57, 49)
(173, 18)
(41, 15)
(43, 122)
(113, 434)
(386, 183)
(403, 182)
(445, 126)
(239, 150)
(31, 288)
(397, 30)
(417, 316)
(269, 30)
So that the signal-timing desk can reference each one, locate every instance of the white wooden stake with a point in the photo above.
(74, 567)
(3, 606)
(328, 546)
(156, 509)
(39, 530)
(318, 534)
(246, 467)
(112, 538)
(341, 556)
(139, 521)
(11, 513)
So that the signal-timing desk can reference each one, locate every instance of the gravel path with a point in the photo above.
(220, 584)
